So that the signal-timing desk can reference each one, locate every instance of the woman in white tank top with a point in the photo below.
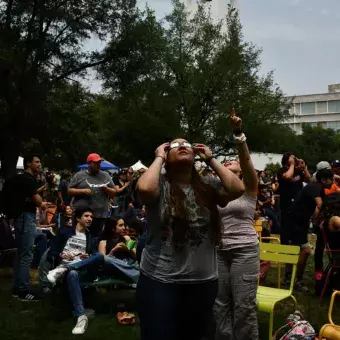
(238, 258)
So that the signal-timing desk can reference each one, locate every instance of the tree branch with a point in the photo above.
(8, 13)
(80, 68)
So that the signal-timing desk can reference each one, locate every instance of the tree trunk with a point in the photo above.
(9, 161)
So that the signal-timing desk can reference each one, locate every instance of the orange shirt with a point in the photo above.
(334, 188)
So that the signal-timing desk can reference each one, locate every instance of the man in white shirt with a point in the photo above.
(71, 248)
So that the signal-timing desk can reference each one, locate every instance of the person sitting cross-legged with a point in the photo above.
(72, 249)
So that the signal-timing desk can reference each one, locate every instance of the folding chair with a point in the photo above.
(330, 267)
(330, 331)
(267, 297)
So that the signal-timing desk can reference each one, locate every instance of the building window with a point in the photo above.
(307, 108)
(297, 108)
(333, 125)
(321, 107)
(334, 106)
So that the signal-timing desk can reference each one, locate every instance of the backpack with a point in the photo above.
(10, 202)
(296, 328)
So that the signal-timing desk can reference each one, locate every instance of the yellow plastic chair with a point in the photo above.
(258, 228)
(273, 264)
(330, 331)
(267, 297)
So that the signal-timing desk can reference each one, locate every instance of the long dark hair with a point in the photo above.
(205, 197)
(108, 232)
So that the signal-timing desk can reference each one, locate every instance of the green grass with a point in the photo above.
(51, 318)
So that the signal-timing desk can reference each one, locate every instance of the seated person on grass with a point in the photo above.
(330, 216)
(65, 218)
(71, 251)
(119, 249)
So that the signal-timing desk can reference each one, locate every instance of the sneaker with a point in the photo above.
(56, 274)
(81, 325)
(318, 275)
(301, 287)
(28, 297)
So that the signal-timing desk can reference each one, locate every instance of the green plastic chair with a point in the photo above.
(267, 297)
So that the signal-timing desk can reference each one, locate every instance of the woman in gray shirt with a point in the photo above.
(238, 258)
(178, 282)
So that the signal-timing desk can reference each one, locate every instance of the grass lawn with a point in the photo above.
(51, 318)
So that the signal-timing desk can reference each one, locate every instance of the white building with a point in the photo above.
(321, 109)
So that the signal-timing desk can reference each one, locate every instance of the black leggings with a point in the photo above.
(170, 311)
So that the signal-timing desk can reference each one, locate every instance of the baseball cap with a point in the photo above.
(322, 165)
(94, 157)
(336, 164)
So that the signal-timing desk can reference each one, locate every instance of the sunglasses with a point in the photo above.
(176, 145)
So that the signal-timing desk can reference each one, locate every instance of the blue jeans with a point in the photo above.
(272, 215)
(131, 270)
(170, 311)
(25, 230)
(41, 246)
(73, 283)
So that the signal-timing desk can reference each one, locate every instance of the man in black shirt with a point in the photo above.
(25, 187)
(291, 177)
(306, 206)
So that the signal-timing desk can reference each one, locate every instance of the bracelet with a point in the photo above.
(160, 157)
(208, 160)
(240, 139)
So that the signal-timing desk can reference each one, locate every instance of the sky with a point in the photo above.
(300, 39)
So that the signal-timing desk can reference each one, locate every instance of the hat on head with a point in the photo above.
(94, 157)
(322, 165)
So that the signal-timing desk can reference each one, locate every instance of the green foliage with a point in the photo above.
(182, 77)
(317, 144)
(272, 168)
(161, 79)
(41, 44)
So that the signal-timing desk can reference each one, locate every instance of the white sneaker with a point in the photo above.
(56, 274)
(81, 325)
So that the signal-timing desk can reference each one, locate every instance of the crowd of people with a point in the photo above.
(184, 237)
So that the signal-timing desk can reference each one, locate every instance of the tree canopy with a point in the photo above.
(180, 76)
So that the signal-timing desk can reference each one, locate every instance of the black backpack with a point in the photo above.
(10, 200)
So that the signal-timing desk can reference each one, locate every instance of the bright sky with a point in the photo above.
(300, 39)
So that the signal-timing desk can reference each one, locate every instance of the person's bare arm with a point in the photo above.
(148, 184)
(249, 172)
(318, 201)
(288, 175)
(38, 200)
(111, 192)
(60, 196)
(118, 190)
(102, 247)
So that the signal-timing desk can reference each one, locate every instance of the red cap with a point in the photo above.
(94, 157)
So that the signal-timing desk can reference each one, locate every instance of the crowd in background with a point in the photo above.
(166, 226)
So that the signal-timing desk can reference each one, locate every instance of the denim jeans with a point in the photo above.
(170, 311)
(41, 246)
(235, 308)
(130, 270)
(25, 230)
(73, 282)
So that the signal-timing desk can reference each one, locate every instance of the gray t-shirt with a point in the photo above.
(98, 201)
(196, 260)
